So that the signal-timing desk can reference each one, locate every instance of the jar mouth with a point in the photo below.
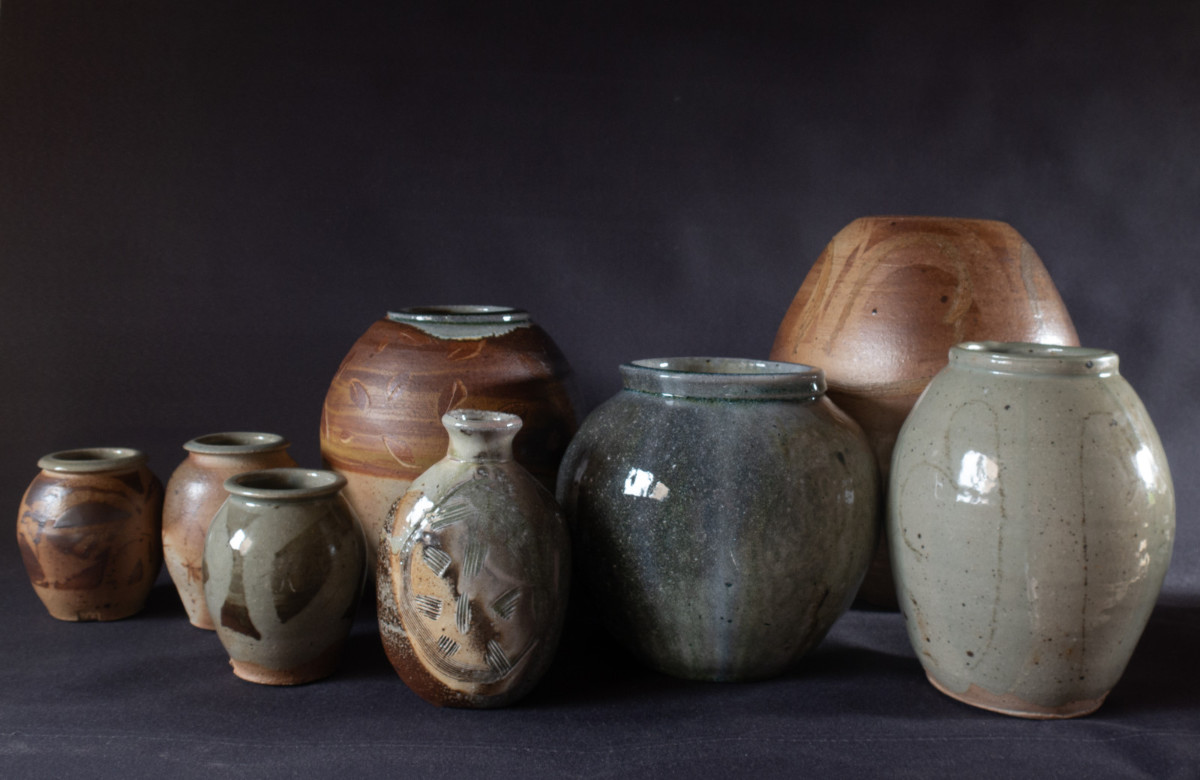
(724, 378)
(1015, 357)
(469, 421)
(89, 460)
(285, 484)
(236, 443)
(459, 315)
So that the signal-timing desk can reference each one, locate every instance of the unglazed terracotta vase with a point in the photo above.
(90, 531)
(723, 512)
(887, 299)
(194, 494)
(284, 567)
(382, 421)
(1031, 517)
(473, 571)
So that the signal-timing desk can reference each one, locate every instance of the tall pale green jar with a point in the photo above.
(1031, 518)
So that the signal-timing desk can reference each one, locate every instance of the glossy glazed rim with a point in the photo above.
(470, 421)
(91, 460)
(734, 379)
(237, 443)
(1019, 357)
(285, 484)
(459, 315)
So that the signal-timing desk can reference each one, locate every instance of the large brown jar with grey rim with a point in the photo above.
(381, 425)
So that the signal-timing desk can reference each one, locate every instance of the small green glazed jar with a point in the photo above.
(722, 511)
(1031, 519)
(284, 567)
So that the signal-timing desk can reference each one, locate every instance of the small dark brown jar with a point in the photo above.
(90, 532)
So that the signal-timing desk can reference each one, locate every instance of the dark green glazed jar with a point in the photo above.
(723, 512)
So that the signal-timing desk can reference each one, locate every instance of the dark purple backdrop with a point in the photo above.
(202, 205)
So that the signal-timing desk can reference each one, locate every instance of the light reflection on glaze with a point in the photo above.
(976, 478)
(639, 482)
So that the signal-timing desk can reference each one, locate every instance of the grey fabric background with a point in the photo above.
(202, 205)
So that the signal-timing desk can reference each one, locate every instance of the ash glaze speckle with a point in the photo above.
(1031, 520)
(722, 511)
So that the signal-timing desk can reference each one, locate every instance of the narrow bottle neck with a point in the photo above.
(477, 435)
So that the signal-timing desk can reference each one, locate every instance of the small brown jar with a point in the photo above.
(194, 494)
(90, 532)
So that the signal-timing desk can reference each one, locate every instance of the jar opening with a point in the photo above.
(1026, 358)
(468, 420)
(90, 460)
(465, 314)
(724, 378)
(236, 443)
(285, 483)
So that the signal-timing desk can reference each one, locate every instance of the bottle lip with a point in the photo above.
(459, 315)
(236, 443)
(90, 460)
(724, 378)
(469, 421)
(1015, 357)
(284, 484)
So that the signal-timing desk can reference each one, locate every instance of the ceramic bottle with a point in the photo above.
(284, 566)
(381, 425)
(90, 530)
(723, 512)
(1031, 518)
(885, 301)
(474, 568)
(196, 491)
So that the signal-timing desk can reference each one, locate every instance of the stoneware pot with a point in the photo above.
(284, 568)
(194, 494)
(887, 299)
(90, 532)
(1031, 518)
(723, 512)
(382, 421)
(473, 571)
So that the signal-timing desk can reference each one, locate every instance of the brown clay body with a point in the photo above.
(885, 301)
(195, 492)
(89, 530)
(381, 425)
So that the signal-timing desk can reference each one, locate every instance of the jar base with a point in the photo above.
(320, 667)
(76, 611)
(1008, 704)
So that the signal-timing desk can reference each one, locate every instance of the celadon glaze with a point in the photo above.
(723, 512)
(1031, 518)
(284, 566)
(473, 571)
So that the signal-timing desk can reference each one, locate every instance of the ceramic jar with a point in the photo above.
(887, 299)
(473, 571)
(723, 512)
(382, 421)
(284, 568)
(194, 494)
(1031, 518)
(90, 530)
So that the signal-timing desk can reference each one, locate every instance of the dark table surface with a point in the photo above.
(202, 205)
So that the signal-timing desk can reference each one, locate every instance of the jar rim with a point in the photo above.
(90, 460)
(724, 378)
(459, 314)
(481, 420)
(285, 484)
(1019, 357)
(236, 443)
